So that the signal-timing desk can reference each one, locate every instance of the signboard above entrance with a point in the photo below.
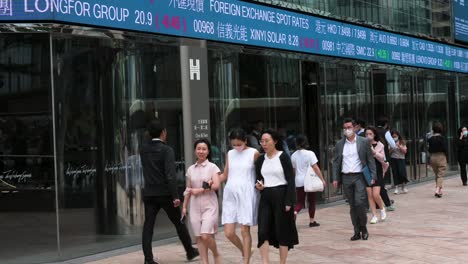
(460, 17)
(243, 23)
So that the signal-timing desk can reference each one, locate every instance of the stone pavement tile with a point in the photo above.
(423, 229)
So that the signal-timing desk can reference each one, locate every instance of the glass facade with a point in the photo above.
(101, 93)
(75, 102)
(106, 90)
(27, 178)
(429, 17)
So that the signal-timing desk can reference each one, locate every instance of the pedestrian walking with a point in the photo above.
(438, 156)
(383, 130)
(353, 154)
(160, 190)
(240, 198)
(275, 180)
(381, 165)
(360, 127)
(462, 147)
(301, 159)
(202, 201)
(398, 163)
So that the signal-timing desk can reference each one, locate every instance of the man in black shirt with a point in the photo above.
(160, 190)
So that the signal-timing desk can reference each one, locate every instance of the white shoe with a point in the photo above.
(383, 214)
(405, 190)
(374, 220)
(396, 190)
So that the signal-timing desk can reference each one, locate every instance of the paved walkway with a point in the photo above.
(423, 229)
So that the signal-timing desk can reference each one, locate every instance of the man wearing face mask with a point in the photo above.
(351, 155)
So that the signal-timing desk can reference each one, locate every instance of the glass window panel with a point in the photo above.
(431, 17)
(463, 100)
(106, 93)
(27, 180)
(264, 93)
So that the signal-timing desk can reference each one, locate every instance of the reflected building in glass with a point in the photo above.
(75, 102)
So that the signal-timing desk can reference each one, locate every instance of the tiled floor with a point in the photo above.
(423, 229)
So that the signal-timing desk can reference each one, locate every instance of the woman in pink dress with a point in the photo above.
(202, 182)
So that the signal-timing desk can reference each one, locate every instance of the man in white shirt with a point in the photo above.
(351, 155)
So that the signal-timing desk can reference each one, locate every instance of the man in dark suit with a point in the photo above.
(360, 128)
(160, 190)
(352, 155)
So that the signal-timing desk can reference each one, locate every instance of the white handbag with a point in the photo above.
(312, 182)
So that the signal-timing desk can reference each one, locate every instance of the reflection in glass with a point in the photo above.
(27, 181)
(265, 92)
(106, 93)
(430, 17)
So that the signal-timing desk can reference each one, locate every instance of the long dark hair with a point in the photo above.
(400, 137)
(204, 141)
(276, 137)
(374, 130)
(460, 130)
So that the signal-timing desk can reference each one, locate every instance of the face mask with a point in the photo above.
(239, 148)
(348, 132)
(465, 133)
(370, 137)
(395, 139)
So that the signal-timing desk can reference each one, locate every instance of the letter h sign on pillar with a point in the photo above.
(194, 69)
(195, 96)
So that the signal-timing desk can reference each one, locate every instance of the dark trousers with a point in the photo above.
(152, 206)
(463, 170)
(300, 203)
(384, 195)
(399, 171)
(354, 188)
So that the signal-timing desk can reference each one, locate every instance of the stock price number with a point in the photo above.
(201, 26)
(293, 40)
(143, 18)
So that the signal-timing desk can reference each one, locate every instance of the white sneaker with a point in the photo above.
(396, 190)
(383, 214)
(405, 190)
(374, 220)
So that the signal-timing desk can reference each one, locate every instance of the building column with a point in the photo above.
(195, 95)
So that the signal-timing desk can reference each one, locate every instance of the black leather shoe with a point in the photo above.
(193, 255)
(356, 236)
(364, 233)
(151, 262)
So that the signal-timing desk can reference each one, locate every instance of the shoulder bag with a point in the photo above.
(312, 182)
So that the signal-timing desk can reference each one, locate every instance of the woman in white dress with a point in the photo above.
(240, 198)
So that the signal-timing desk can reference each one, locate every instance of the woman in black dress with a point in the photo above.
(462, 147)
(275, 180)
